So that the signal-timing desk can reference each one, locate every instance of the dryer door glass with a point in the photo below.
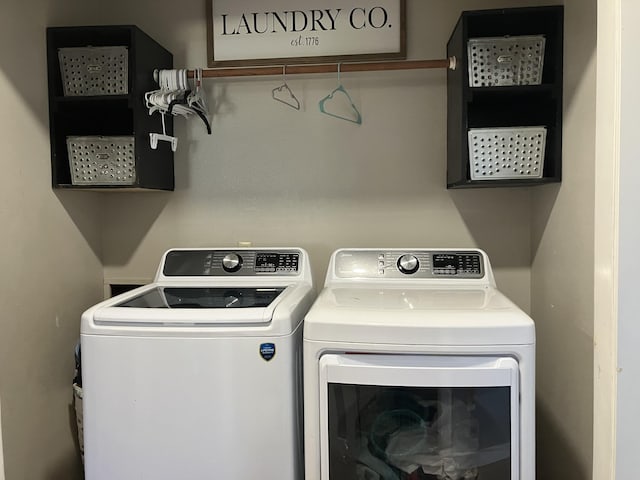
(392, 417)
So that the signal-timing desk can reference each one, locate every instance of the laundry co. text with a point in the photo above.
(300, 21)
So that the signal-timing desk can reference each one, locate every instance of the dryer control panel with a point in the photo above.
(409, 264)
(199, 263)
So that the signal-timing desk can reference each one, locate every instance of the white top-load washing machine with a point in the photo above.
(417, 367)
(198, 375)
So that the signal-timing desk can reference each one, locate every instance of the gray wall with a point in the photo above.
(51, 270)
(562, 268)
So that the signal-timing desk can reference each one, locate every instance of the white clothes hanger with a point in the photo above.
(155, 137)
(176, 97)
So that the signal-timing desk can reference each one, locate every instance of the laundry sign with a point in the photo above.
(259, 32)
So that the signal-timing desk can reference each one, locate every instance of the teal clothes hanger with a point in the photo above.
(340, 91)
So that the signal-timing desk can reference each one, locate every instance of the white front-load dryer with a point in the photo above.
(416, 367)
(198, 375)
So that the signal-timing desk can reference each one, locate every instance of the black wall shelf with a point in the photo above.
(505, 106)
(109, 115)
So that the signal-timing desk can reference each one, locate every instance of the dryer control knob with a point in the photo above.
(232, 262)
(408, 264)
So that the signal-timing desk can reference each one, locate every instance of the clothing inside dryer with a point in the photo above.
(419, 433)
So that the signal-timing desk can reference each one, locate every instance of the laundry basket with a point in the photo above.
(506, 153)
(504, 61)
(77, 406)
(77, 400)
(102, 160)
(94, 70)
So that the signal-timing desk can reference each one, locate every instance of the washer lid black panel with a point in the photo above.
(204, 297)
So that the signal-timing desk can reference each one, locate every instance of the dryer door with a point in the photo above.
(418, 417)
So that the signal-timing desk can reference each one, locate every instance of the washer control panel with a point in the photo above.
(199, 263)
(409, 264)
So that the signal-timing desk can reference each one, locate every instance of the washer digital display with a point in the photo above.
(457, 264)
(276, 262)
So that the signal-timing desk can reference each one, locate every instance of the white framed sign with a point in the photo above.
(278, 32)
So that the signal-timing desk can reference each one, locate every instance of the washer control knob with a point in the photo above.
(408, 264)
(232, 262)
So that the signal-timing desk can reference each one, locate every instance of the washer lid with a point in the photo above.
(428, 316)
(191, 306)
(203, 297)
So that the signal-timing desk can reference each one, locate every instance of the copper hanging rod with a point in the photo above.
(449, 63)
